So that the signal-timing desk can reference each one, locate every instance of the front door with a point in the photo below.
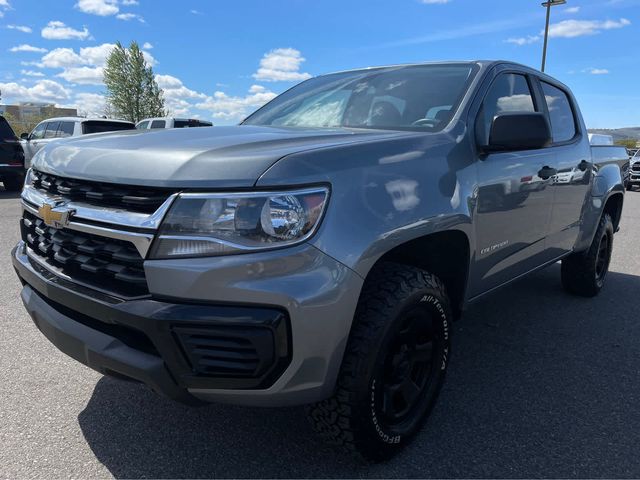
(514, 196)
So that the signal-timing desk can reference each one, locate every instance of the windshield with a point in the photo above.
(417, 97)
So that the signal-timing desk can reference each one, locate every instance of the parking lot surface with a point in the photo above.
(540, 384)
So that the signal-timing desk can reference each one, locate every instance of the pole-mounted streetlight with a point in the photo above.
(548, 5)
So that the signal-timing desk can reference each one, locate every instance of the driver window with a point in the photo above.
(509, 92)
(38, 132)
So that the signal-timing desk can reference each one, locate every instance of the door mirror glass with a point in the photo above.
(519, 131)
(24, 136)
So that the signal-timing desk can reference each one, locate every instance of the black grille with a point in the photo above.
(636, 167)
(104, 263)
(227, 351)
(139, 199)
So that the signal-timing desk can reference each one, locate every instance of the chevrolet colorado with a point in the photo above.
(318, 252)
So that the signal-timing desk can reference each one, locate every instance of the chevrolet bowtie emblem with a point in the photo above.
(55, 215)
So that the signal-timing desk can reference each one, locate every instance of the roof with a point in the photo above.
(84, 119)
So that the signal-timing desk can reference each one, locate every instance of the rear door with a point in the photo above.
(573, 158)
(514, 195)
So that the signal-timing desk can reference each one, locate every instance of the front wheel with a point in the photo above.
(394, 364)
(584, 273)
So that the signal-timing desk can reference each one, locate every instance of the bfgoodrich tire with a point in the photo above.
(584, 273)
(394, 365)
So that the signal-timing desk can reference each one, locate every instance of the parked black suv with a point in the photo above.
(11, 158)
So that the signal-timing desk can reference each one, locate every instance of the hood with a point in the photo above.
(213, 157)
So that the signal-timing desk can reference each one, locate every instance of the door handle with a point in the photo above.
(583, 165)
(547, 172)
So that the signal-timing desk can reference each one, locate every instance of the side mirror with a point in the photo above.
(24, 136)
(519, 131)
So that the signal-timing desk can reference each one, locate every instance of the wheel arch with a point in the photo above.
(445, 254)
(613, 206)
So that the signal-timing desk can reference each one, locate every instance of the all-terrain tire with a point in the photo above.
(356, 417)
(584, 273)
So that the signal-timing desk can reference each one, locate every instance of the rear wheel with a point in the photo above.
(394, 364)
(584, 273)
(13, 184)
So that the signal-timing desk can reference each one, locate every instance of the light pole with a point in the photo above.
(548, 5)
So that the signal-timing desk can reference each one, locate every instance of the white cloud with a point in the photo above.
(597, 71)
(61, 58)
(96, 55)
(572, 10)
(129, 2)
(5, 4)
(32, 73)
(523, 40)
(42, 91)
(231, 108)
(195, 12)
(578, 28)
(56, 30)
(91, 104)
(83, 75)
(102, 8)
(20, 28)
(281, 64)
(27, 48)
(178, 98)
(84, 66)
(147, 46)
(130, 16)
(434, 2)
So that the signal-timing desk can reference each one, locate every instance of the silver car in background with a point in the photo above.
(170, 122)
(64, 127)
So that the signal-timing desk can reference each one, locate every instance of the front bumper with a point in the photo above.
(293, 307)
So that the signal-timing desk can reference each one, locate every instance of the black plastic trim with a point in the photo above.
(131, 322)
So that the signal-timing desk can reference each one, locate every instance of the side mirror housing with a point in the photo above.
(519, 131)
(24, 136)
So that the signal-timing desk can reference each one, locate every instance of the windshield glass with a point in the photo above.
(416, 97)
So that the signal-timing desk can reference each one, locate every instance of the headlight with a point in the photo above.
(199, 224)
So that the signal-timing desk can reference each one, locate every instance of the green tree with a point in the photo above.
(132, 91)
(627, 142)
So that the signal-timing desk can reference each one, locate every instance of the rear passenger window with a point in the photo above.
(52, 129)
(158, 124)
(563, 125)
(510, 92)
(65, 129)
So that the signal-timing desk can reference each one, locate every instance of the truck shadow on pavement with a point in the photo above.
(540, 384)
(7, 194)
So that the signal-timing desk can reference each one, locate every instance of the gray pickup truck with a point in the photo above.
(319, 252)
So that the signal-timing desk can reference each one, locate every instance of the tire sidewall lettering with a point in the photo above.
(437, 305)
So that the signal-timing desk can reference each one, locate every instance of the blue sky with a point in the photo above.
(221, 59)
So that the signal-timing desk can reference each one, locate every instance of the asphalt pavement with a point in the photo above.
(541, 384)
